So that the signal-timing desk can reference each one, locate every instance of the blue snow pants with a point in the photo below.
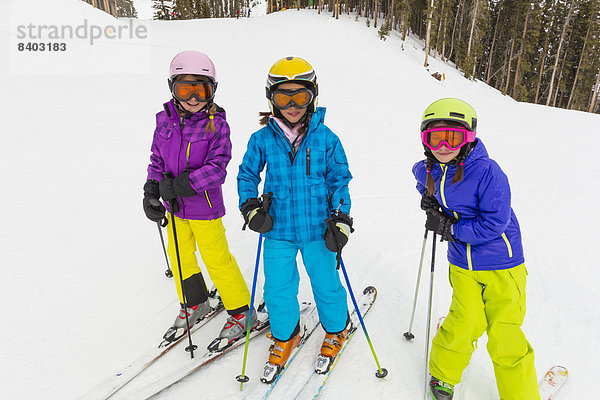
(282, 281)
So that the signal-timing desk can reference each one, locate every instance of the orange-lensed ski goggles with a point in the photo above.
(186, 90)
(453, 137)
(286, 98)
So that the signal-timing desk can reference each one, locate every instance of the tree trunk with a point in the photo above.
(544, 54)
(473, 23)
(444, 35)
(454, 30)
(512, 47)
(560, 75)
(560, 43)
(439, 31)
(375, 15)
(428, 34)
(492, 49)
(515, 95)
(595, 95)
(587, 35)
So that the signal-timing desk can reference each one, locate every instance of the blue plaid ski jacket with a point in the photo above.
(301, 183)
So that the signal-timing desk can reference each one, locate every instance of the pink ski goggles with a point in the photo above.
(453, 137)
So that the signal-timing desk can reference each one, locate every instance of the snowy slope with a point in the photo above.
(83, 291)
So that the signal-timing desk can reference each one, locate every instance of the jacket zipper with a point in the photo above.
(442, 187)
(308, 161)
(187, 164)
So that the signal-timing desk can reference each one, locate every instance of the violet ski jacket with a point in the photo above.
(487, 233)
(182, 143)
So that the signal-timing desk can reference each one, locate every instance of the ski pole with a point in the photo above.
(408, 335)
(168, 272)
(243, 378)
(381, 372)
(174, 206)
(161, 224)
(429, 315)
(266, 198)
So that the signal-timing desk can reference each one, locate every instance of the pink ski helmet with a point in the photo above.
(193, 63)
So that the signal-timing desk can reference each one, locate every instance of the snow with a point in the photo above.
(144, 9)
(84, 292)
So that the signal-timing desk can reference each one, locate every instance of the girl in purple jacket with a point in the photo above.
(467, 199)
(190, 152)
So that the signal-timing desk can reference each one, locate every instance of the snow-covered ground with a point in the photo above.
(83, 291)
(144, 9)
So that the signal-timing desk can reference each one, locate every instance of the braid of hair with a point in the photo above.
(264, 117)
(459, 173)
(212, 109)
(305, 124)
(430, 181)
(460, 170)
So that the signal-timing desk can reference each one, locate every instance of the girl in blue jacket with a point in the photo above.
(467, 200)
(305, 166)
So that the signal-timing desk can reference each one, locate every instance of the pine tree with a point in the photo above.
(162, 8)
(125, 8)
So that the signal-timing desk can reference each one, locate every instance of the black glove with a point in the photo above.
(429, 202)
(256, 215)
(440, 223)
(154, 210)
(171, 188)
(338, 231)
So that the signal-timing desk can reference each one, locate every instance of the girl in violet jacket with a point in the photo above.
(467, 200)
(190, 152)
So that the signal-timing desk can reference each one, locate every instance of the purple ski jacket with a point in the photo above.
(182, 143)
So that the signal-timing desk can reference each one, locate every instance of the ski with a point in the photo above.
(262, 390)
(552, 381)
(314, 384)
(195, 365)
(124, 376)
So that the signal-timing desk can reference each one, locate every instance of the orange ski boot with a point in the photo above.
(279, 352)
(332, 344)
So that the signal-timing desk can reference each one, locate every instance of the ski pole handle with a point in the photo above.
(156, 204)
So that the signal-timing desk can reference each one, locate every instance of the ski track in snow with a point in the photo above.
(84, 292)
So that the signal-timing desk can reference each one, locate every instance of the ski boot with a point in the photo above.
(179, 327)
(234, 329)
(279, 353)
(332, 344)
(440, 390)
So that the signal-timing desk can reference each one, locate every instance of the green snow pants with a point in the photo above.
(494, 302)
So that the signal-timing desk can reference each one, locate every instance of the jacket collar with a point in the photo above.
(173, 113)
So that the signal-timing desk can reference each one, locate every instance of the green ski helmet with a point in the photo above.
(450, 109)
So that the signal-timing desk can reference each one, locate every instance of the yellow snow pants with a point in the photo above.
(222, 268)
(491, 301)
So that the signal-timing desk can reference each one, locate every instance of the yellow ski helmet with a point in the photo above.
(450, 109)
(292, 69)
